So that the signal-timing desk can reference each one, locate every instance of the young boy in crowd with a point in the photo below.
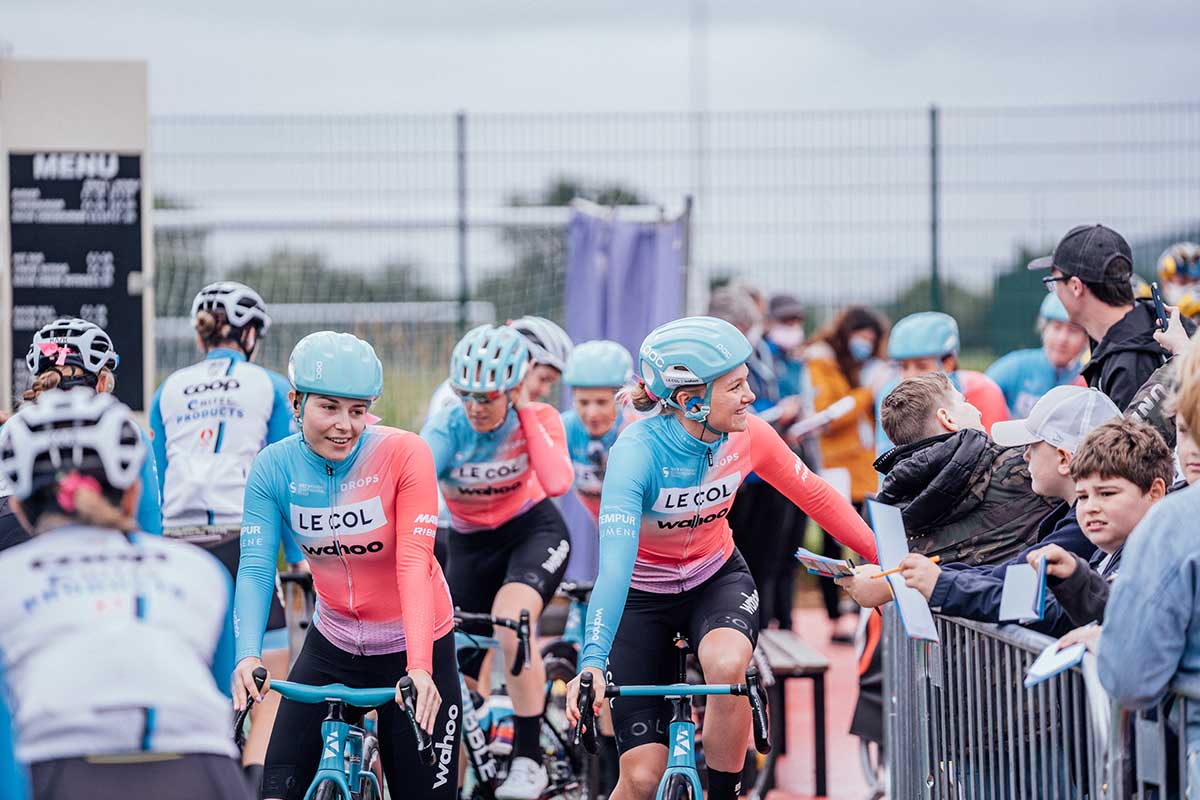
(1124, 468)
(963, 496)
(1050, 436)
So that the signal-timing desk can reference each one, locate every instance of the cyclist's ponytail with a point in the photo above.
(637, 396)
(84, 496)
(210, 327)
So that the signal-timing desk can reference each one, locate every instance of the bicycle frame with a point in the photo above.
(341, 755)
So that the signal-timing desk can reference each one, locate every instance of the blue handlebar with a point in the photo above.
(361, 698)
(675, 690)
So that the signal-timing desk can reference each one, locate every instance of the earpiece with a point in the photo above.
(694, 404)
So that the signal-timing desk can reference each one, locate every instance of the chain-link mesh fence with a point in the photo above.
(370, 223)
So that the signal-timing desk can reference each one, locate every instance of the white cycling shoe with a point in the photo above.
(526, 780)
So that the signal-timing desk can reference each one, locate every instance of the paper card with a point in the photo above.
(891, 544)
(1053, 661)
(824, 566)
(1023, 597)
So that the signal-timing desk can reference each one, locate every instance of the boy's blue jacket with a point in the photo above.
(974, 592)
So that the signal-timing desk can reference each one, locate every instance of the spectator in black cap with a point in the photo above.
(1091, 272)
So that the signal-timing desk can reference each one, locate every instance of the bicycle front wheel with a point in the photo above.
(328, 790)
(678, 788)
(370, 763)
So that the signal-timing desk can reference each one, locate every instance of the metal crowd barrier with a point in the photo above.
(959, 723)
(1150, 748)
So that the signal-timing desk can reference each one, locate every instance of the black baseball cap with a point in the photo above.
(1086, 251)
(785, 306)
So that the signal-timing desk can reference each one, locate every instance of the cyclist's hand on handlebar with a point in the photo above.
(598, 686)
(243, 682)
(429, 701)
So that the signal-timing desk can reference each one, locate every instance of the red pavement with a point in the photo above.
(795, 779)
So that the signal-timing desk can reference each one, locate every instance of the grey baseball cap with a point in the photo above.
(1063, 417)
(1086, 251)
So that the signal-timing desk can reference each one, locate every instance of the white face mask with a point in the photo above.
(787, 337)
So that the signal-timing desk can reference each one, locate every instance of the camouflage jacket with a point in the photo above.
(963, 497)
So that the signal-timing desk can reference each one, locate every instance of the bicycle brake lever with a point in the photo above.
(585, 729)
(522, 659)
(408, 693)
(758, 711)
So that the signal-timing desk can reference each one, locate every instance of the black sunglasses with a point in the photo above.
(1050, 280)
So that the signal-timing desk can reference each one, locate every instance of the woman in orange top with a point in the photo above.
(835, 360)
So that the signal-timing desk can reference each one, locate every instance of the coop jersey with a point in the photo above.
(589, 456)
(115, 643)
(663, 511)
(489, 478)
(209, 421)
(366, 525)
(1025, 375)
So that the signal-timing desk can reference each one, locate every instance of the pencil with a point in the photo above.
(934, 560)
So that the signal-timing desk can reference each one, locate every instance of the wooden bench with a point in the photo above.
(786, 656)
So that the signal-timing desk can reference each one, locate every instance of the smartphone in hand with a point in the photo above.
(1159, 308)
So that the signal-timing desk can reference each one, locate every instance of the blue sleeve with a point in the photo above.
(223, 661)
(149, 511)
(974, 593)
(1149, 610)
(292, 553)
(13, 781)
(438, 435)
(620, 522)
(158, 433)
(1006, 372)
(281, 423)
(261, 526)
(882, 442)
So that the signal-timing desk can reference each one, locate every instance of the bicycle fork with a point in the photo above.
(681, 741)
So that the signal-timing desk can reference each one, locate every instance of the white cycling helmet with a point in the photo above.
(548, 343)
(240, 304)
(75, 429)
(71, 340)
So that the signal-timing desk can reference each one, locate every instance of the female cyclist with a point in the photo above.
(113, 641)
(595, 371)
(72, 352)
(670, 483)
(209, 422)
(498, 455)
(362, 503)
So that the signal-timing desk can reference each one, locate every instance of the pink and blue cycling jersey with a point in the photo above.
(663, 511)
(490, 478)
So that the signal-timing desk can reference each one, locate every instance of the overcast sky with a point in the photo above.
(377, 57)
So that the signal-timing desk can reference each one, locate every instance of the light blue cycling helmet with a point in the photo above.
(337, 365)
(1052, 310)
(686, 352)
(598, 364)
(490, 358)
(923, 335)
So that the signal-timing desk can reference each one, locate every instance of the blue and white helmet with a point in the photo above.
(926, 334)
(78, 429)
(688, 352)
(600, 364)
(1052, 310)
(490, 358)
(337, 365)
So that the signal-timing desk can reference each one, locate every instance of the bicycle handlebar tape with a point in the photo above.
(408, 693)
(522, 658)
(758, 711)
(585, 731)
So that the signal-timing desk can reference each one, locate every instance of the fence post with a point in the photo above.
(460, 141)
(935, 288)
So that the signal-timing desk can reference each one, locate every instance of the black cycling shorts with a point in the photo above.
(532, 549)
(229, 553)
(295, 747)
(181, 777)
(643, 651)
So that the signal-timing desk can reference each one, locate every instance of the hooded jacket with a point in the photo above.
(963, 497)
(1127, 355)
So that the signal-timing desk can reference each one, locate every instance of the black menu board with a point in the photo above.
(76, 235)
